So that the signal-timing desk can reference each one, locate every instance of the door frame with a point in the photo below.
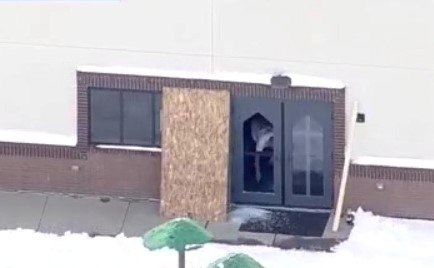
(283, 197)
(242, 109)
(322, 112)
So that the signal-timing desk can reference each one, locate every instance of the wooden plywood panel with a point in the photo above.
(195, 142)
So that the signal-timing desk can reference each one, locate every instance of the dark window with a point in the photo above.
(137, 116)
(105, 116)
(124, 117)
(157, 109)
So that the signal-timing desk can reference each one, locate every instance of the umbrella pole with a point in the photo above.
(181, 258)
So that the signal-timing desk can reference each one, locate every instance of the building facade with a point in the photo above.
(379, 50)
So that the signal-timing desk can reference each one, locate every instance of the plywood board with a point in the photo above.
(195, 143)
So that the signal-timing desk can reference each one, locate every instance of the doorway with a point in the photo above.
(281, 152)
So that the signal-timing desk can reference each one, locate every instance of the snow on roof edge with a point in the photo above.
(394, 162)
(32, 137)
(297, 79)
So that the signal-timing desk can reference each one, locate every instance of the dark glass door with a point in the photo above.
(307, 163)
(256, 150)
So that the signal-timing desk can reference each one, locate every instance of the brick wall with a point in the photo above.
(406, 193)
(108, 172)
(140, 83)
(123, 174)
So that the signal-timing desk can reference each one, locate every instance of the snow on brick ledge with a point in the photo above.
(394, 162)
(130, 148)
(31, 137)
(297, 79)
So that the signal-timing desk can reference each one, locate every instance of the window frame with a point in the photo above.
(153, 95)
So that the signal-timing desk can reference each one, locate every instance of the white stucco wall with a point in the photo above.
(382, 49)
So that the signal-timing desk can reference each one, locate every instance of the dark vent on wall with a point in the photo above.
(280, 82)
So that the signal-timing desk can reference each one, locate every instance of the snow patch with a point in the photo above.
(244, 214)
(19, 136)
(374, 242)
(381, 238)
(394, 162)
(132, 148)
(264, 78)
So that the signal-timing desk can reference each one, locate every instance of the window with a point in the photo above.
(308, 157)
(125, 117)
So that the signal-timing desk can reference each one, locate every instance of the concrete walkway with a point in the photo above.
(54, 213)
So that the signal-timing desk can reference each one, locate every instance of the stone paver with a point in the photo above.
(59, 214)
(249, 238)
(21, 210)
(142, 217)
(80, 215)
(343, 232)
(224, 231)
(306, 243)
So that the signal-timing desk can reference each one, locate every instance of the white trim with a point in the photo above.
(394, 162)
(129, 148)
(346, 168)
(264, 78)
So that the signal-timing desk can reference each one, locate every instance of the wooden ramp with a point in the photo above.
(195, 144)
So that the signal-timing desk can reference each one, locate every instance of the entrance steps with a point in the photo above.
(229, 232)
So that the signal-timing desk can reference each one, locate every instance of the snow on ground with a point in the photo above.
(375, 242)
(244, 214)
(264, 78)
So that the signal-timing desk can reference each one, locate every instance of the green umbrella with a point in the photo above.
(236, 260)
(177, 234)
